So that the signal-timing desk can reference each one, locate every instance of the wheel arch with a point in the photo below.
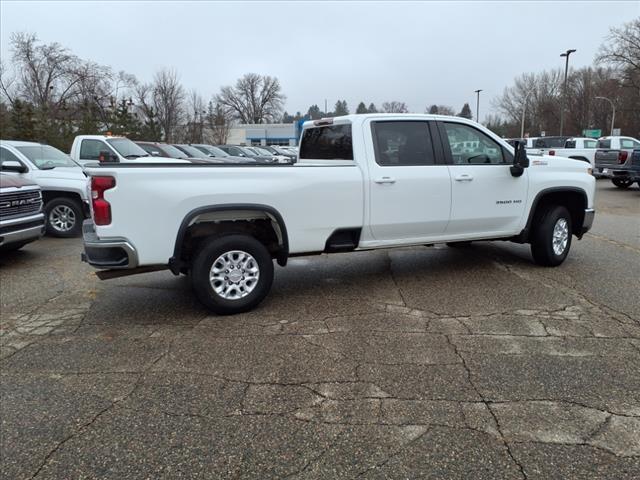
(231, 218)
(574, 198)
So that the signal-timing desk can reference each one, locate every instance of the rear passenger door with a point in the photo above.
(486, 199)
(409, 187)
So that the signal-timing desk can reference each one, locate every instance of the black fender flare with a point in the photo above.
(523, 236)
(281, 257)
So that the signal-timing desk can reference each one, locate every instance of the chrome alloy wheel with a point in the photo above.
(234, 275)
(62, 218)
(560, 236)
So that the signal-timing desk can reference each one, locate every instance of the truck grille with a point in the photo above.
(20, 204)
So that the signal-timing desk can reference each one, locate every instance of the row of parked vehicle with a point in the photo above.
(45, 190)
(614, 157)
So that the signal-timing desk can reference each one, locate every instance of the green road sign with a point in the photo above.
(592, 133)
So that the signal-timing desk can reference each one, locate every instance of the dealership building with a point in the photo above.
(265, 134)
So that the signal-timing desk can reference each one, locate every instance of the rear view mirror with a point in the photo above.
(520, 159)
(13, 166)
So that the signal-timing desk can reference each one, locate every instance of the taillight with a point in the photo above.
(101, 208)
(622, 156)
(552, 152)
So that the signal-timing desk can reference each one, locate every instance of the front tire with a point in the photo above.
(622, 182)
(551, 236)
(232, 274)
(64, 217)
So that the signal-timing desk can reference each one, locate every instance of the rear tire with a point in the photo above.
(551, 236)
(622, 182)
(232, 274)
(64, 217)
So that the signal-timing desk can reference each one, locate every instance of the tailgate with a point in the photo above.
(605, 158)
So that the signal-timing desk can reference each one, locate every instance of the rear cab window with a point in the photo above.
(604, 143)
(330, 142)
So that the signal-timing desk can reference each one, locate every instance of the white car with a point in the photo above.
(64, 185)
(361, 182)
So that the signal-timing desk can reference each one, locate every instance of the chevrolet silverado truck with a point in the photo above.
(579, 148)
(361, 182)
(614, 159)
(21, 218)
(90, 149)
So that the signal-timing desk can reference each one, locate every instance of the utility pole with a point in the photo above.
(478, 105)
(564, 93)
(325, 107)
(613, 114)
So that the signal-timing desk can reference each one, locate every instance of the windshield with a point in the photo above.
(263, 151)
(127, 148)
(173, 152)
(210, 150)
(45, 157)
(192, 151)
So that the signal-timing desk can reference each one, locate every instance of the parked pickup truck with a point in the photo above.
(613, 159)
(21, 218)
(361, 182)
(88, 149)
(64, 185)
(578, 148)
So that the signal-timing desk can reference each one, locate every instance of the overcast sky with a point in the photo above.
(417, 52)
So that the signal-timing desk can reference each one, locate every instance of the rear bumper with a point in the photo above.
(107, 253)
(589, 214)
(22, 230)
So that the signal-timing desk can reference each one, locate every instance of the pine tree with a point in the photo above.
(341, 108)
(433, 110)
(151, 129)
(22, 121)
(314, 112)
(372, 108)
(362, 108)
(466, 112)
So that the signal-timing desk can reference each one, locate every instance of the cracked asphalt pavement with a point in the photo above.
(411, 363)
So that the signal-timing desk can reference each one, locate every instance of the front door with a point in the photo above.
(486, 199)
(409, 192)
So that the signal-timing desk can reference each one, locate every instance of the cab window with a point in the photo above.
(402, 144)
(472, 147)
(90, 149)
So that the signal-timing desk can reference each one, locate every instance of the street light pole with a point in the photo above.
(524, 111)
(478, 105)
(613, 114)
(564, 93)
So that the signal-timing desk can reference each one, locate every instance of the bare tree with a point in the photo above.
(254, 99)
(394, 107)
(168, 98)
(621, 50)
(219, 123)
(195, 117)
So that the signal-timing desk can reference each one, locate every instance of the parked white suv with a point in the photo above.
(63, 183)
(361, 182)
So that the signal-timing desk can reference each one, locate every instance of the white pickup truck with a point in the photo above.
(89, 149)
(578, 148)
(361, 182)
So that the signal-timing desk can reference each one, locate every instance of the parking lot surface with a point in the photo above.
(430, 362)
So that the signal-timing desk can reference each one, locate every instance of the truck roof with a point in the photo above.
(364, 116)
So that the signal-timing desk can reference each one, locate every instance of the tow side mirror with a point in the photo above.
(13, 166)
(520, 160)
(106, 156)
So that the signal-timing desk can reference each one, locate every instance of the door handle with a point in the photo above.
(383, 180)
(464, 178)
